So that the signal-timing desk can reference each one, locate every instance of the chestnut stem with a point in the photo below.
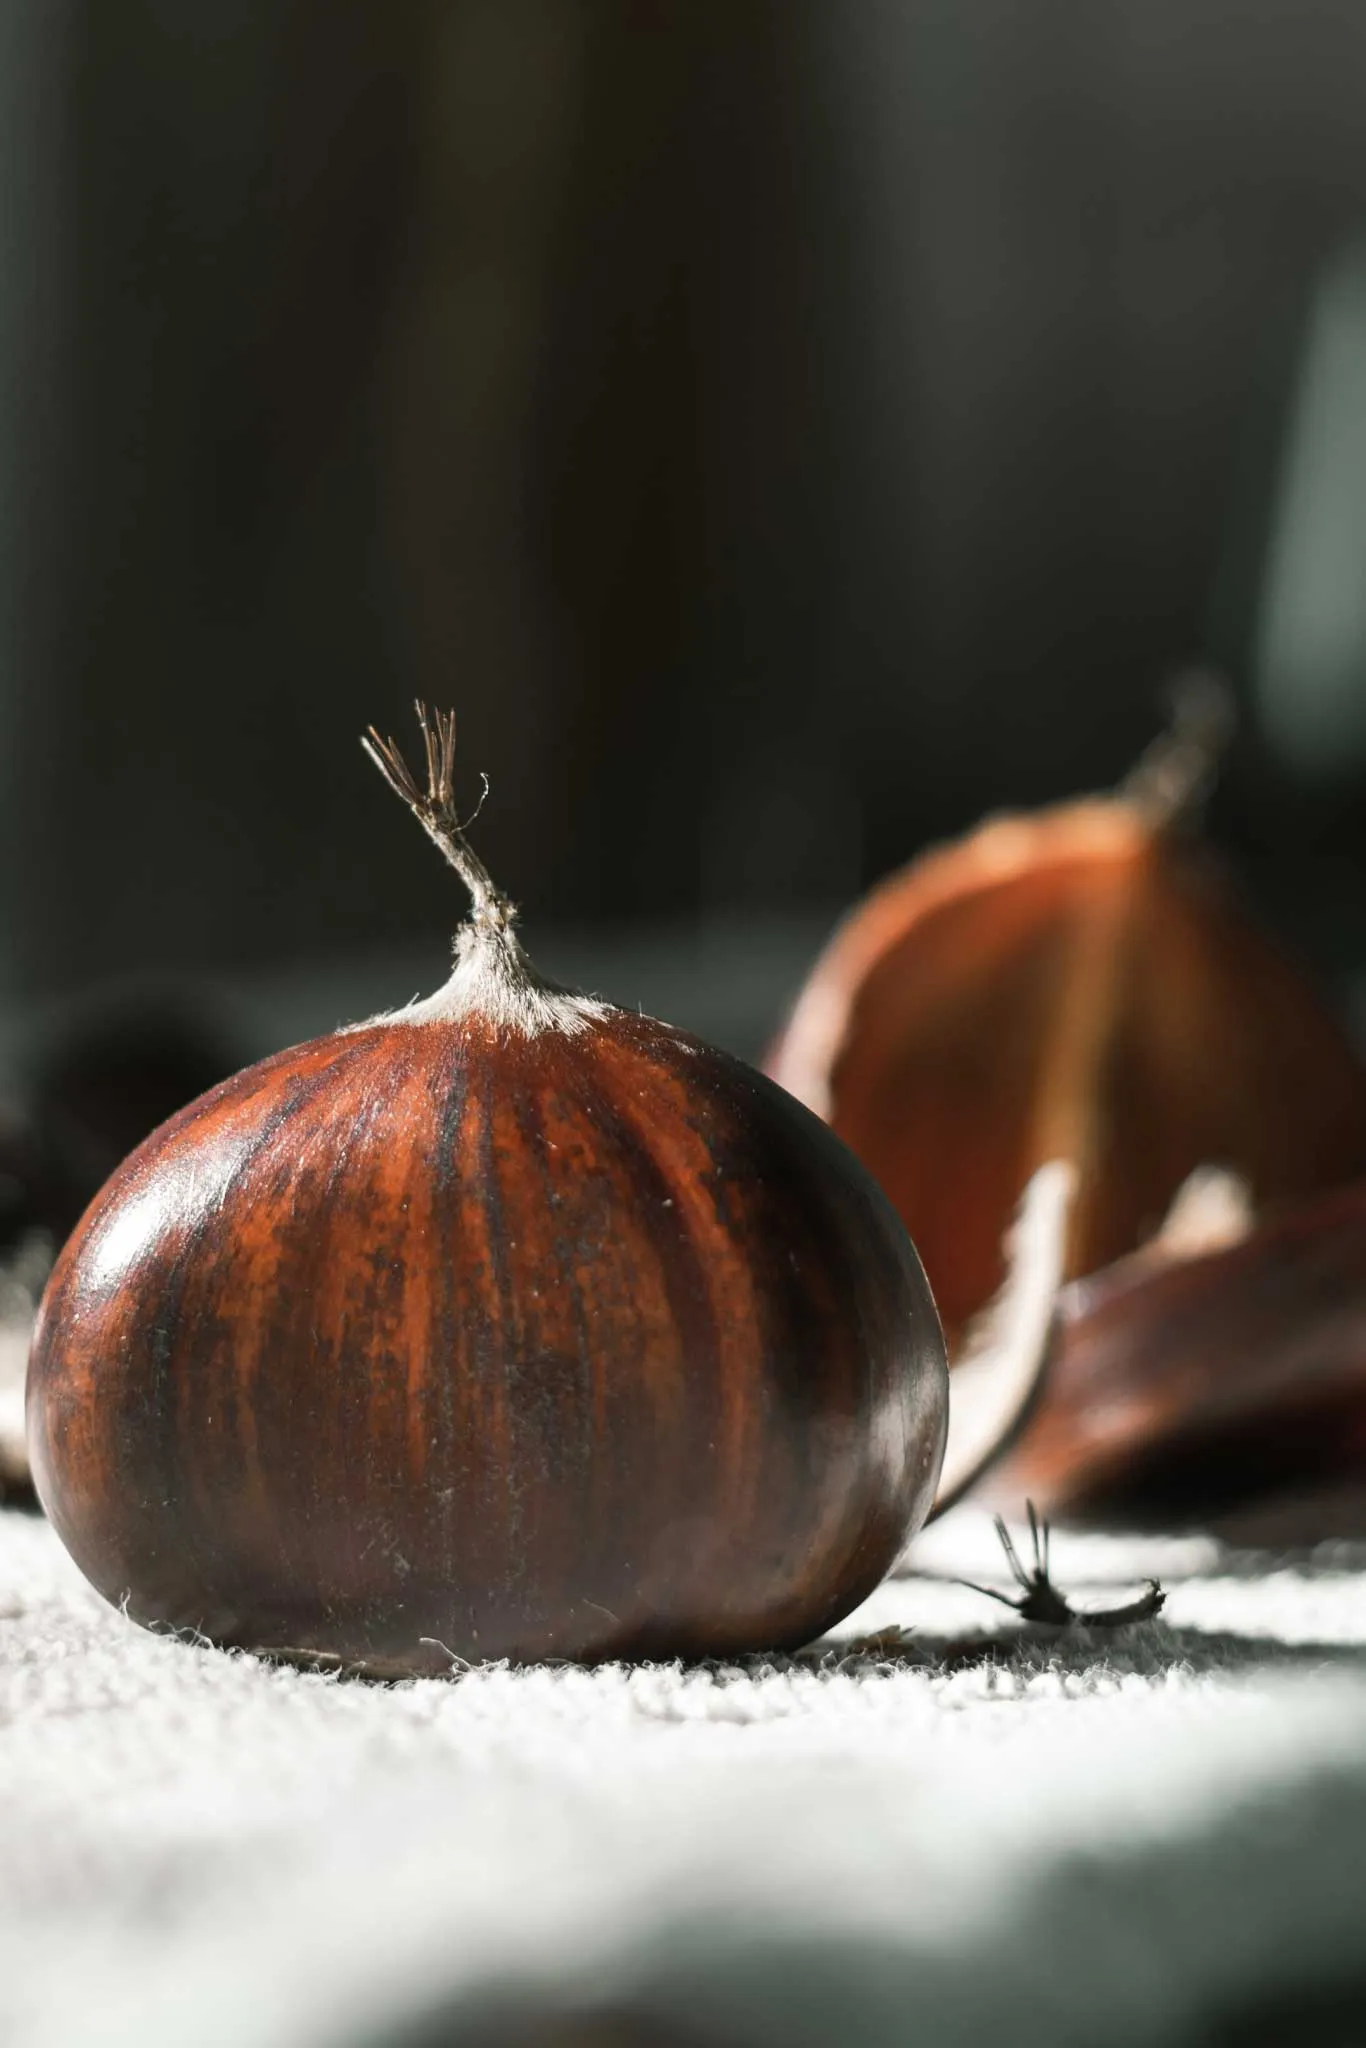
(1172, 777)
(1039, 1600)
(435, 811)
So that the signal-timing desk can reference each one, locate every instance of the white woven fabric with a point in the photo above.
(1167, 1826)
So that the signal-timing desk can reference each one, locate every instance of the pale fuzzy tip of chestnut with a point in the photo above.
(493, 978)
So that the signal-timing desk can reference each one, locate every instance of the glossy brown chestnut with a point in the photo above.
(512, 1325)
(1080, 985)
(1183, 1393)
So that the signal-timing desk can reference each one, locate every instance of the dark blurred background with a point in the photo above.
(783, 431)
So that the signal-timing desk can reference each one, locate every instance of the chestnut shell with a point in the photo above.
(1209, 1387)
(431, 1340)
(1076, 984)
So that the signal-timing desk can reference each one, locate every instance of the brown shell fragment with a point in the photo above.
(1189, 1393)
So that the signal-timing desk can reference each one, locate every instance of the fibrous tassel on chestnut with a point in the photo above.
(511, 1324)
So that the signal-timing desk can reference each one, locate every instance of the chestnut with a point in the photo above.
(1079, 984)
(509, 1325)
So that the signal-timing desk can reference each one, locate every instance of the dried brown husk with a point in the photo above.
(1225, 1390)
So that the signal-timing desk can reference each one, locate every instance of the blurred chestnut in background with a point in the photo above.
(102, 1079)
(96, 1083)
(25, 1198)
(1080, 985)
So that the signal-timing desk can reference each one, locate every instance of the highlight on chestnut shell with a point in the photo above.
(510, 1324)
(1079, 984)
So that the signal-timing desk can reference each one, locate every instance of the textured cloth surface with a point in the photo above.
(1166, 1826)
